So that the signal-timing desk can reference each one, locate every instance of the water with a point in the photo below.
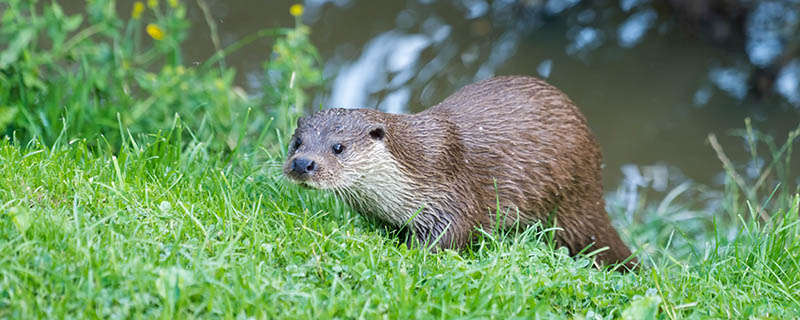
(651, 92)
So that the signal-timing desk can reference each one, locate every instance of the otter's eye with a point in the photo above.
(337, 148)
(297, 143)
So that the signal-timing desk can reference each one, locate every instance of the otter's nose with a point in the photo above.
(303, 165)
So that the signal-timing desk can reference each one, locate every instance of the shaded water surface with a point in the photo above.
(651, 91)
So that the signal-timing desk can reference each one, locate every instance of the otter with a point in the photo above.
(498, 154)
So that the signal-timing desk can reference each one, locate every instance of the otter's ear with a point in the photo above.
(377, 132)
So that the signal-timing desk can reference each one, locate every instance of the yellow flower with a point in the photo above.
(138, 8)
(173, 3)
(296, 10)
(155, 31)
(152, 4)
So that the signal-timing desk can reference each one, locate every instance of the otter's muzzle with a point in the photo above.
(303, 166)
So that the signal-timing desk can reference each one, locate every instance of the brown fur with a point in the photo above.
(513, 140)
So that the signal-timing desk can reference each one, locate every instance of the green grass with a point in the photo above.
(164, 228)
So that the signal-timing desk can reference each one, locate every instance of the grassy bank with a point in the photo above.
(167, 229)
(135, 186)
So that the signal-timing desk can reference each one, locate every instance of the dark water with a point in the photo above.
(651, 91)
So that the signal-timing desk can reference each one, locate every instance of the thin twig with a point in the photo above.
(272, 32)
(728, 165)
(212, 27)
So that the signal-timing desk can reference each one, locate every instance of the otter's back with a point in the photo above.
(528, 137)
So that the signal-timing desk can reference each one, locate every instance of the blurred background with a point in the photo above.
(654, 77)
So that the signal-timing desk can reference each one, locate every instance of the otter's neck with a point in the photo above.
(383, 190)
(416, 149)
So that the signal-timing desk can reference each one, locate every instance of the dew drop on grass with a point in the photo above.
(164, 206)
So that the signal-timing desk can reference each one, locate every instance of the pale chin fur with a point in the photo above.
(376, 185)
(311, 184)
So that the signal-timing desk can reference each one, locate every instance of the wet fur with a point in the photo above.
(516, 140)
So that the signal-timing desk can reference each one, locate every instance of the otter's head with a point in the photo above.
(334, 149)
